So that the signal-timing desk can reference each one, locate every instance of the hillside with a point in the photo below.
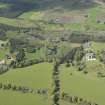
(17, 7)
(52, 52)
(73, 14)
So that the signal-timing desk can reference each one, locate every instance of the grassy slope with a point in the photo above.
(37, 76)
(91, 21)
(84, 86)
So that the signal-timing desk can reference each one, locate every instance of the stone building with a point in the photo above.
(89, 56)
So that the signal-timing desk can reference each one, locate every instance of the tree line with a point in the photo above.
(56, 84)
(23, 89)
(76, 100)
(3, 68)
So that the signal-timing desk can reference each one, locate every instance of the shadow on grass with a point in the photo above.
(18, 6)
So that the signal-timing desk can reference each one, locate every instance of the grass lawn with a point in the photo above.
(81, 85)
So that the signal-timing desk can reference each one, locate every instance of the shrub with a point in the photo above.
(82, 66)
(85, 72)
(3, 68)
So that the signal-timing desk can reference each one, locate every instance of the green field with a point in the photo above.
(40, 76)
(81, 85)
(11, 98)
(36, 31)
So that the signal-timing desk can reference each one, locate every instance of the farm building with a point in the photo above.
(90, 56)
(89, 53)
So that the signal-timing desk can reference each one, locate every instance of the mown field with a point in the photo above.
(37, 76)
(41, 16)
(81, 85)
(87, 86)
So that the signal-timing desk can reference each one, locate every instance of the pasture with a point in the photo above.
(14, 98)
(40, 18)
(38, 76)
(81, 85)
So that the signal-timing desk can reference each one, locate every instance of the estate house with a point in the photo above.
(90, 56)
(89, 53)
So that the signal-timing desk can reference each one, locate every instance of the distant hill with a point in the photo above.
(19, 6)
(74, 14)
